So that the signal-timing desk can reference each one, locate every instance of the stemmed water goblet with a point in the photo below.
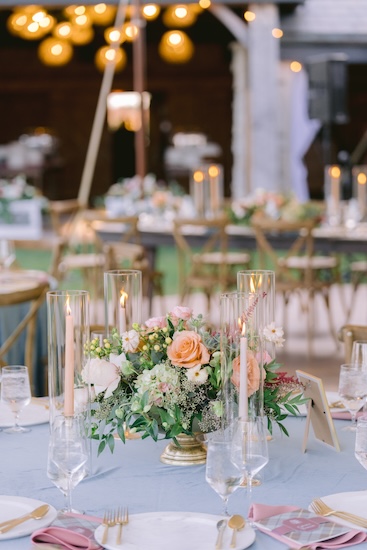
(15, 393)
(352, 389)
(361, 442)
(67, 454)
(222, 475)
(249, 451)
(359, 355)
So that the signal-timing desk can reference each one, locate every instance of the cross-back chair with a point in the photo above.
(128, 253)
(349, 334)
(81, 249)
(297, 269)
(33, 295)
(53, 245)
(205, 262)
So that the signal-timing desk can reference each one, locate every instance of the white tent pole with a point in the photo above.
(99, 118)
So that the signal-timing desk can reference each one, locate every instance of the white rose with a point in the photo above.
(103, 375)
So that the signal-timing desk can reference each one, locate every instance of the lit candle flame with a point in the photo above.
(67, 306)
(123, 298)
(252, 285)
(242, 326)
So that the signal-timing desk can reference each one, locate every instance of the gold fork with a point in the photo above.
(321, 509)
(109, 520)
(121, 519)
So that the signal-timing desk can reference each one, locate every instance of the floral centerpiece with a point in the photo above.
(163, 379)
(276, 206)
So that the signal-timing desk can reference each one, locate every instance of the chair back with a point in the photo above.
(299, 243)
(349, 334)
(196, 257)
(53, 245)
(33, 294)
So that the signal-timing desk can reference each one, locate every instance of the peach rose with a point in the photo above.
(253, 373)
(187, 350)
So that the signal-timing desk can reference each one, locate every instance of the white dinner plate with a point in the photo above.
(354, 503)
(173, 531)
(37, 412)
(13, 507)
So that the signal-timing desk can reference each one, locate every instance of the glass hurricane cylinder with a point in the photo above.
(68, 327)
(261, 281)
(241, 356)
(122, 299)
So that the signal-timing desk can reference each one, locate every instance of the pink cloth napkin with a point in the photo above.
(262, 511)
(70, 531)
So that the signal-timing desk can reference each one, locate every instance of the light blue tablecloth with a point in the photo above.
(134, 476)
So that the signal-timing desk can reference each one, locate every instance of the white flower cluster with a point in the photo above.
(162, 382)
(274, 334)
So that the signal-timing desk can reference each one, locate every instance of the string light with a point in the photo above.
(55, 52)
(106, 55)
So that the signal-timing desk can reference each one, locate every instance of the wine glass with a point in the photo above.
(249, 450)
(359, 352)
(352, 389)
(7, 253)
(222, 475)
(67, 455)
(15, 393)
(361, 442)
(359, 355)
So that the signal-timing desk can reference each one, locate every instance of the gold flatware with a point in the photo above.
(109, 520)
(38, 513)
(236, 523)
(321, 509)
(122, 518)
(221, 525)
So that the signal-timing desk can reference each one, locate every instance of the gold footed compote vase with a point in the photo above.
(188, 451)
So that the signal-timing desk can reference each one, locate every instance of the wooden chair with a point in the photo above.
(349, 334)
(81, 249)
(35, 296)
(207, 265)
(358, 272)
(53, 245)
(298, 270)
(129, 253)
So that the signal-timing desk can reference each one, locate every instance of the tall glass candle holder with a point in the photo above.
(359, 174)
(261, 281)
(207, 190)
(241, 356)
(332, 193)
(123, 299)
(68, 328)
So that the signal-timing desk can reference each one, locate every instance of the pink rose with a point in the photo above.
(187, 350)
(253, 373)
(181, 312)
(266, 357)
(153, 322)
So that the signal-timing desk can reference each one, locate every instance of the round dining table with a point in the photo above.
(134, 476)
